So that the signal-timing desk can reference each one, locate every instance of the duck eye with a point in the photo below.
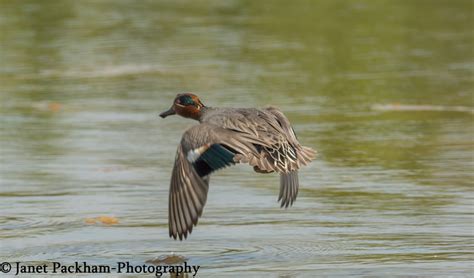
(185, 100)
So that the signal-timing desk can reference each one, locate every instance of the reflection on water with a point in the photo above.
(82, 83)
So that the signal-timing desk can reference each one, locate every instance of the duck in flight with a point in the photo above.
(262, 138)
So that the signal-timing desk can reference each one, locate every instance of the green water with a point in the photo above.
(82, 83)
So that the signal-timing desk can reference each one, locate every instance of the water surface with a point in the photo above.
(82, 83)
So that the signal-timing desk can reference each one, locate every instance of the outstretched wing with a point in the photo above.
(278, 148)
(201, 152)
(187, 197)
(289, 183)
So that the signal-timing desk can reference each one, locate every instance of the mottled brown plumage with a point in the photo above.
(262, 138)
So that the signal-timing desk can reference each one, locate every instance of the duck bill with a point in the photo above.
(167, 113)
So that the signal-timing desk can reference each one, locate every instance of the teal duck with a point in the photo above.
(262, 138)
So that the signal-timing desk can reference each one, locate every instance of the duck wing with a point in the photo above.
(304, 154)
(278, 148)
(289, 183)
(204, 149)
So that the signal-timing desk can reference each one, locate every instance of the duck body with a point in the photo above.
(262, 138)
(275, 142)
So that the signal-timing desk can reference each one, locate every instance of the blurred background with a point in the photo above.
(382, 89)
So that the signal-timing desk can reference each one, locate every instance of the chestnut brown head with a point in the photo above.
(186, 105)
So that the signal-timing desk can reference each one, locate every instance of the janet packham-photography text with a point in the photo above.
(19, 268)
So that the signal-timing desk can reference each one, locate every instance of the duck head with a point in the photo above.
(186, 105)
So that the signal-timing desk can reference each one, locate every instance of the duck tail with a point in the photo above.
(306, 155)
